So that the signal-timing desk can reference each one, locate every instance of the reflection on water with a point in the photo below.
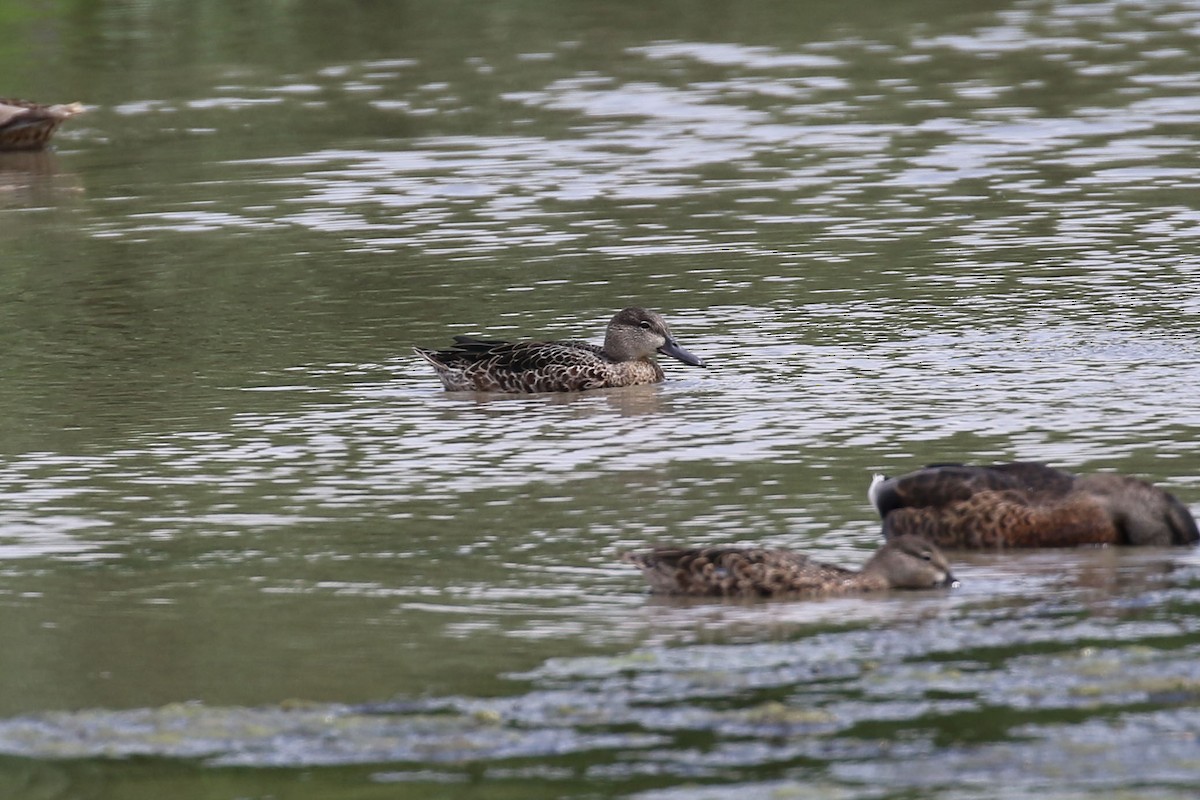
(242, 525)
(35, 179)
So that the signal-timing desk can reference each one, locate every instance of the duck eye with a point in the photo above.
(927, 556)
(644, 324)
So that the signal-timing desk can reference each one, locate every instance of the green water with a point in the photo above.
(249, 548)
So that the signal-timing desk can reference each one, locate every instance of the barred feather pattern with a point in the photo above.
(1030, 505)
(29, 126)
(633, 337)
(908, 563)
(566, 366)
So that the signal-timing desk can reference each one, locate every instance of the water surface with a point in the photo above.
(250, 548)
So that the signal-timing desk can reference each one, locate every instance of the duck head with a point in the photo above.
(911, 562)
(637, 333)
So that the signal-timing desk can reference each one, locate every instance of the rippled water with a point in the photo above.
(244, 527)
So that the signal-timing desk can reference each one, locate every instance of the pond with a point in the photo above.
(250, 548)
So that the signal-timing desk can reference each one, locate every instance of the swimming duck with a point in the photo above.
(1028, 505)
(633, 336)
(28, 126)
(907, 562)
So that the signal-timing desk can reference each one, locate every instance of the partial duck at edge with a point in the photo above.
(1025, 504)
(626, 358)
(908, 562)
(29, 126)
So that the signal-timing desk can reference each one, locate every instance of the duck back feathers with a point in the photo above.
(29, 126)
(1029, 505)
(482, 366)
(907, 563)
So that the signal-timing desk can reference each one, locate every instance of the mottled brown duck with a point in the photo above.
(29, 126)
(908, 562)
(1028, 505)
(626, 358)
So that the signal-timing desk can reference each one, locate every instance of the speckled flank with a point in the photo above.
(1029, 505)
(906, 563)
(29, 126)
(626, 358)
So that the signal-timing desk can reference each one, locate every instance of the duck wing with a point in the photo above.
(495, 366)
(944, 484)
(1022, 504)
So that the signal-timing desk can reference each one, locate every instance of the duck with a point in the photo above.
(29, 126)
(634, 335)
(906, 562)
(1028, 504)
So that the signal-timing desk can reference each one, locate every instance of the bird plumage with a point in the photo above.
(906, 563)
(633, 336)
(29, 126)
(1025, 504)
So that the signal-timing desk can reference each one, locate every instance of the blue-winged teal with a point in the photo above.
(1028, 505)
(626, 358)
(28, 126)
(908, 562)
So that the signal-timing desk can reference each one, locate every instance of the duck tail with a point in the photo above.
(1181, 522)
(428, 355)
(882, 494)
